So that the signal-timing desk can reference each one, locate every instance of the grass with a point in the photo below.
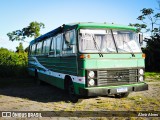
(141, 102)
(153, 75)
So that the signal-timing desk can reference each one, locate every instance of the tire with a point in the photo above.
(121, 95)
(71, 92)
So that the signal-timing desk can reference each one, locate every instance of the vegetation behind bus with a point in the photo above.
(13, 64)
(150, 18)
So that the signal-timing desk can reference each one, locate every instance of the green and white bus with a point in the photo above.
(89, 59)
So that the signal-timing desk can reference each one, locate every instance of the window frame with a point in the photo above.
(44, 47)
(53, 46)
(56, 38)
(64, 52)
(52, 52)
(41, 47)
(78, 43)
(32, 53)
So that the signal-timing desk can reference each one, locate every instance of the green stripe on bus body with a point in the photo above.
(115, 55)
(111, 61)
(101, 64)
(105, 26)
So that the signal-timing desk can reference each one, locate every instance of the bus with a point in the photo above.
(89, 59)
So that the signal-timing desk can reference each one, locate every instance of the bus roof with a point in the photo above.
(79, 25)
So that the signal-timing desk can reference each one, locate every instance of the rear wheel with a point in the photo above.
(71, 91)
(121, 95)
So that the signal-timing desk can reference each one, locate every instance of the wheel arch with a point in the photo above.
(67, 80)
(36, 72)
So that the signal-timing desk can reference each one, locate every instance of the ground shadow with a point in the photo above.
(27, 89)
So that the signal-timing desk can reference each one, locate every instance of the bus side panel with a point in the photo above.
(65, 65)
(68, 65)
(77, 86)
(31, 66)
(58, 82)
(60, 65)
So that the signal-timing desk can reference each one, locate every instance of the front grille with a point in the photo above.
(116, 77)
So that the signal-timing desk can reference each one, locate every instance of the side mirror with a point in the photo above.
(140, 38)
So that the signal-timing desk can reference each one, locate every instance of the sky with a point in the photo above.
(17, 14)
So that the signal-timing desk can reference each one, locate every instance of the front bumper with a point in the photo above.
(98, 91)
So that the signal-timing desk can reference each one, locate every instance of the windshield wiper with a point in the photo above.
(133, 55)
(114, 40)
(96, 46)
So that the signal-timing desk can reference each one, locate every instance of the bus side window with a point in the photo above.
(39, 48)
(53, 46)
(46, 46)
(32, 51)
(43, 47)
(58, 45)
(69, 48)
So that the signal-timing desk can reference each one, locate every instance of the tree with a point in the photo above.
(20, 48)
(33, 30)
(150, 21)
(13, 64)
(152, 52)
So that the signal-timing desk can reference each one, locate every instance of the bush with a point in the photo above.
(12, 64)
(152, 52)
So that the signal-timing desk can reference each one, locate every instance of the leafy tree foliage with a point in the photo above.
(150, 23)
(20, 48)
(12, 64)
(33, 30)
(152, 52)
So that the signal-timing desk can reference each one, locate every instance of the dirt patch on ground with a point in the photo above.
(29, 97)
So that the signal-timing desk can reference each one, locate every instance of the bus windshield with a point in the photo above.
(108, 41)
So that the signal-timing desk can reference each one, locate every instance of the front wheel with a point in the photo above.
(71, 91)
(121, 95)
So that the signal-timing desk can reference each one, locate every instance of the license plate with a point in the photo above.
(124, 89)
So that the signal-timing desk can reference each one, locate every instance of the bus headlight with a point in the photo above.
(91, 82)
(91, 74)
(141, 79)
(141, 71)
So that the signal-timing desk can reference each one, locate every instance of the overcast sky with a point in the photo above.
(16, 14)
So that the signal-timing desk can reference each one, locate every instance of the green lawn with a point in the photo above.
(152, 75)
